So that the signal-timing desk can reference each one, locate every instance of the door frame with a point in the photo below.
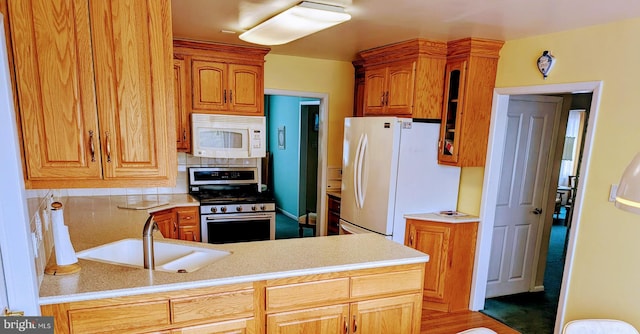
(497, 132)
(21, 280)
(321, 201)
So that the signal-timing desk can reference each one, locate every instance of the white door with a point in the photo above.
(522, 191)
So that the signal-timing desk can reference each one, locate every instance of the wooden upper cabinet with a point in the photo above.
(183, 133)
(469, 83)
(223, 79)
(95, 99)
(403, 79)
(389, 90)
(55, 86)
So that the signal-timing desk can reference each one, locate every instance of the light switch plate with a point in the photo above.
(612, 192)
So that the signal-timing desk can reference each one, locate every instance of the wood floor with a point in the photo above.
(434, 322)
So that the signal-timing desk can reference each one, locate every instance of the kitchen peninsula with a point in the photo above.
(263, 286)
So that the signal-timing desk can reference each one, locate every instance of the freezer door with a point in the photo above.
(369, 172)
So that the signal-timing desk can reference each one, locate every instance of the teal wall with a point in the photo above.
(285, 111)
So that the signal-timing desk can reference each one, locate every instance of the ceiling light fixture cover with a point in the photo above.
(628, 194)
(304, 19)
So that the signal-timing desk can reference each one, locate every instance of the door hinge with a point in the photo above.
(9, 313)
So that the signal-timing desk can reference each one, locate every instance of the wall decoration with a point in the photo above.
(545, 63)
(281, 138)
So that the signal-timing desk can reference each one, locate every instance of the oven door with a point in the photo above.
(237, 227)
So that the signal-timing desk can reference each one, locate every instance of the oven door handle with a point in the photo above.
(237, 218)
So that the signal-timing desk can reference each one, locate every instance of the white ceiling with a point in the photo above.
(379, 22)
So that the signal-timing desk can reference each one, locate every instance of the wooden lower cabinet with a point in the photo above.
(240, 326)
(381, 300)
(319, 320)
(451, 248)
(179, 223)
(333, 217)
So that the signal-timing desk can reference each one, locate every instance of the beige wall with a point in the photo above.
(335, 78)
(606, 270)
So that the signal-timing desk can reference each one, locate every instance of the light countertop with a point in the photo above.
(434, 217)
(94, 221)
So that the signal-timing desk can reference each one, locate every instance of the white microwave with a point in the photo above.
(228, 136)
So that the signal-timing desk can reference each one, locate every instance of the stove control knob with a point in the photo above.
(238, 208)
(223, 209)
(263, 207)
(253, 208)
(214, 209)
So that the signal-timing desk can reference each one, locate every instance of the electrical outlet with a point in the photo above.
(612, 192)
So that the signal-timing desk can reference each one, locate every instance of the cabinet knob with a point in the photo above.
(92, 146)
(107, 145)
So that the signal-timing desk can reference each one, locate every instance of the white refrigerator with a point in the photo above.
(389, 169)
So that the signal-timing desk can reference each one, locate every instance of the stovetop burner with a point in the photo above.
(210, 185)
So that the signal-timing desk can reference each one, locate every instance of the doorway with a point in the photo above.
(497, 138)
(296, 129)
(518, 296)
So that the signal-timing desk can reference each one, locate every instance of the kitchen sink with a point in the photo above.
(168, 257)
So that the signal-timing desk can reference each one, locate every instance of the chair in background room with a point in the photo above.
(598, 326)
(557, 209)
(307, 220)
(573, 184)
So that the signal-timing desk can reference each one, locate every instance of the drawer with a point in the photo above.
(334, 204)
(306, 294)
(188, 216)
(119, 318)
(218, 306)
(387, 283)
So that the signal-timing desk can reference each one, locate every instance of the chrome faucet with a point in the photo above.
(147, 243)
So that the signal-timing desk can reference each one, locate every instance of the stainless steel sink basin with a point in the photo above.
(168, 257)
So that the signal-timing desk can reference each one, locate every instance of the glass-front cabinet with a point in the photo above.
(451, 116)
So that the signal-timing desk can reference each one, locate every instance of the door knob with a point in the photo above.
(537, 211)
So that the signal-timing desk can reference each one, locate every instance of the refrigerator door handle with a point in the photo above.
(361, 166)
(358, 171)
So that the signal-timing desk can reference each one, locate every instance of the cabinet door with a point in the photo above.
(133, 61)
(399, 315)
(167, 223)
(450, 134)
(432, 240)
(399, 95)
(375, 91)
(188, 223)
(55, 87)
(241, 326)
(180, 107)
(208, 79)
(245, 89)
(321, 320)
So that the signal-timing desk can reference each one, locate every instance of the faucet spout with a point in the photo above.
(147, 243)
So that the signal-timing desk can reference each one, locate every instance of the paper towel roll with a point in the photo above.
(65, 254)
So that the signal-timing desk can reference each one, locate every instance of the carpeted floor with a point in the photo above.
(288, 228)
(534, 313)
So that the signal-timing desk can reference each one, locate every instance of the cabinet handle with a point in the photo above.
(355, 324)
(386, 98)
(184, 134)
(346, 325)
(411, 240)
(175, 226)
(224, 96)
(107, 145)
(92, 146)
(382, 99)
(231, 96)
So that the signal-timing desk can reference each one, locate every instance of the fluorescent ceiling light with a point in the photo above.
(304, 19)
(628, 194)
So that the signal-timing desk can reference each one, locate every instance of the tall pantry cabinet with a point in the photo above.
(95, 94)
